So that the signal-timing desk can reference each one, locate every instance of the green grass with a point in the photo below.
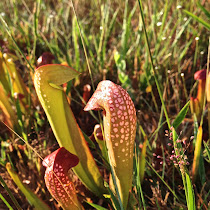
(149, 48)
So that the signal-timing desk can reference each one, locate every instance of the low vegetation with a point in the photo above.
(145, 64)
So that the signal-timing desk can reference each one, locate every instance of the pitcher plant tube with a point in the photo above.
(119, 119)
(197, 103)
(47, 81)
(57, 179)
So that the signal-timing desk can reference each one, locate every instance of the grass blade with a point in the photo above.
(33, 199)
(10, 193)
(207, 149)
(15, 43)
(207, 13)
(205, 199)
(84, 48)
(153, 69)
(204, 23)
(163, 180)
(180, 117)
(96, 206)
(114, 199)
(5, 201)
(191, 198)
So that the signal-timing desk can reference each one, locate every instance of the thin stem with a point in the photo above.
(4, 185)
(83, 44)
(153, 69)
(162, 180)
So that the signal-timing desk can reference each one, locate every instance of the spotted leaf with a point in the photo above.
(57, 180)
(119, 128)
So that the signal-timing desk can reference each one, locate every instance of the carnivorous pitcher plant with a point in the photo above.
(57, 180)
(119, 117)
(47, 81)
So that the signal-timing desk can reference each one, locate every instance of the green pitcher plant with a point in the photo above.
(10, 117)
(47, 81)
(119, 118)
(12, 82)
(3, 75)
(16, 80)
